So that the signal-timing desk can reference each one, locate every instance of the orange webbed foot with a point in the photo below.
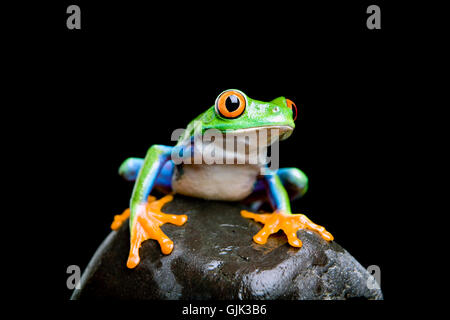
(119, 219)
(289, 223)
(148, 221)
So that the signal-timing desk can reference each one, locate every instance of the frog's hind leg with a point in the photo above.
(130, 168)
(294, 181)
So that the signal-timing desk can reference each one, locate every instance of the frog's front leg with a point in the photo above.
(145, 213)
(129, 170)
(282, 218)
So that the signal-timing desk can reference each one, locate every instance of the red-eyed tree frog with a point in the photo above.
(233, 114)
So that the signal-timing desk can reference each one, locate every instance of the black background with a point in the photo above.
(134, 73)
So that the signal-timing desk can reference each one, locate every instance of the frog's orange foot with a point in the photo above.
(119, 219)
(289, 223)
(148, 221)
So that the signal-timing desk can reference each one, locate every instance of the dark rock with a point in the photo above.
(215, 258)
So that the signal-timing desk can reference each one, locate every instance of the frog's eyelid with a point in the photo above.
(290, 103)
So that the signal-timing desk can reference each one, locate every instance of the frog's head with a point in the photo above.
(234, 111)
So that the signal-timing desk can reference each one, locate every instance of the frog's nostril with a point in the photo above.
(275, 109)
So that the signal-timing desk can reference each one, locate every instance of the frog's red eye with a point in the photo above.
(230, 104)
(291, 104)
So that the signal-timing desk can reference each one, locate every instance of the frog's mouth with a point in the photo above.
(271, 133)
(242, 146)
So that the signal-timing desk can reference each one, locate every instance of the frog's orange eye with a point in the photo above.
(291, 104)
(230, 104)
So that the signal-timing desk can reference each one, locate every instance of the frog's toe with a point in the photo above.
(255, 216)
(119, 219)
(293, 239)
(263, 234)
(304, 222)
(176, 219)
(166, 244)
(271, 225)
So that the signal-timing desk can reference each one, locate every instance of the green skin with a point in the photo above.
(257, 114)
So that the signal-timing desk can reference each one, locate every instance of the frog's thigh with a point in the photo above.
(163, 181)
(130, 169)
(294, 181)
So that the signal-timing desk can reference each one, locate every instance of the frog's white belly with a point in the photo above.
(228, 182)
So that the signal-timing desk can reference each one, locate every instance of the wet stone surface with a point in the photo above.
(215, 258)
